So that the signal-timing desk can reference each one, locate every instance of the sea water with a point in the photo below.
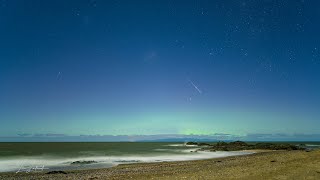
(62, 156)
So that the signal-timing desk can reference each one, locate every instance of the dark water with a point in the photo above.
(86, 148)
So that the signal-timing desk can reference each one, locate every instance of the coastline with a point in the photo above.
(259, 165)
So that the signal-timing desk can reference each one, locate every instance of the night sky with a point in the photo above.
(159, 67)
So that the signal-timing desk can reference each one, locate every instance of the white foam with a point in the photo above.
(181, 145)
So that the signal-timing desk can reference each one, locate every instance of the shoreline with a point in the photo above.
(98, 162)
(260, 165)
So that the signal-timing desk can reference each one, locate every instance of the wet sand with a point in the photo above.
(261, 165)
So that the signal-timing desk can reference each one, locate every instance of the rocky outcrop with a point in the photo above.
(56, 172)
(240, 145)
(82, 162)
(277, 146)
(197, 144)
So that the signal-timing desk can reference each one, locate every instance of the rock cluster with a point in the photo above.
(240, 145)
(83, 162)
(56, 172)
(197, 144)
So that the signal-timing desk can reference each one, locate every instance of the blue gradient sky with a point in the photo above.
(126, 67)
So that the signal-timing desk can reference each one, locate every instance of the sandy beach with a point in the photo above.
(261, 165)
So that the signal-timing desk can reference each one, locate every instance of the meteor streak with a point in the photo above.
(200, 92)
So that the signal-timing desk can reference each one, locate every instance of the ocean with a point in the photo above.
(88, 155)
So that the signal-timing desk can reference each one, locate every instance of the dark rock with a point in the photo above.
(203, 144)
(277, 146)
(221, 143)
(83, 162)
(239, 145)
(197, 144)
(273, 161)
(56, 172)
(192, 143)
